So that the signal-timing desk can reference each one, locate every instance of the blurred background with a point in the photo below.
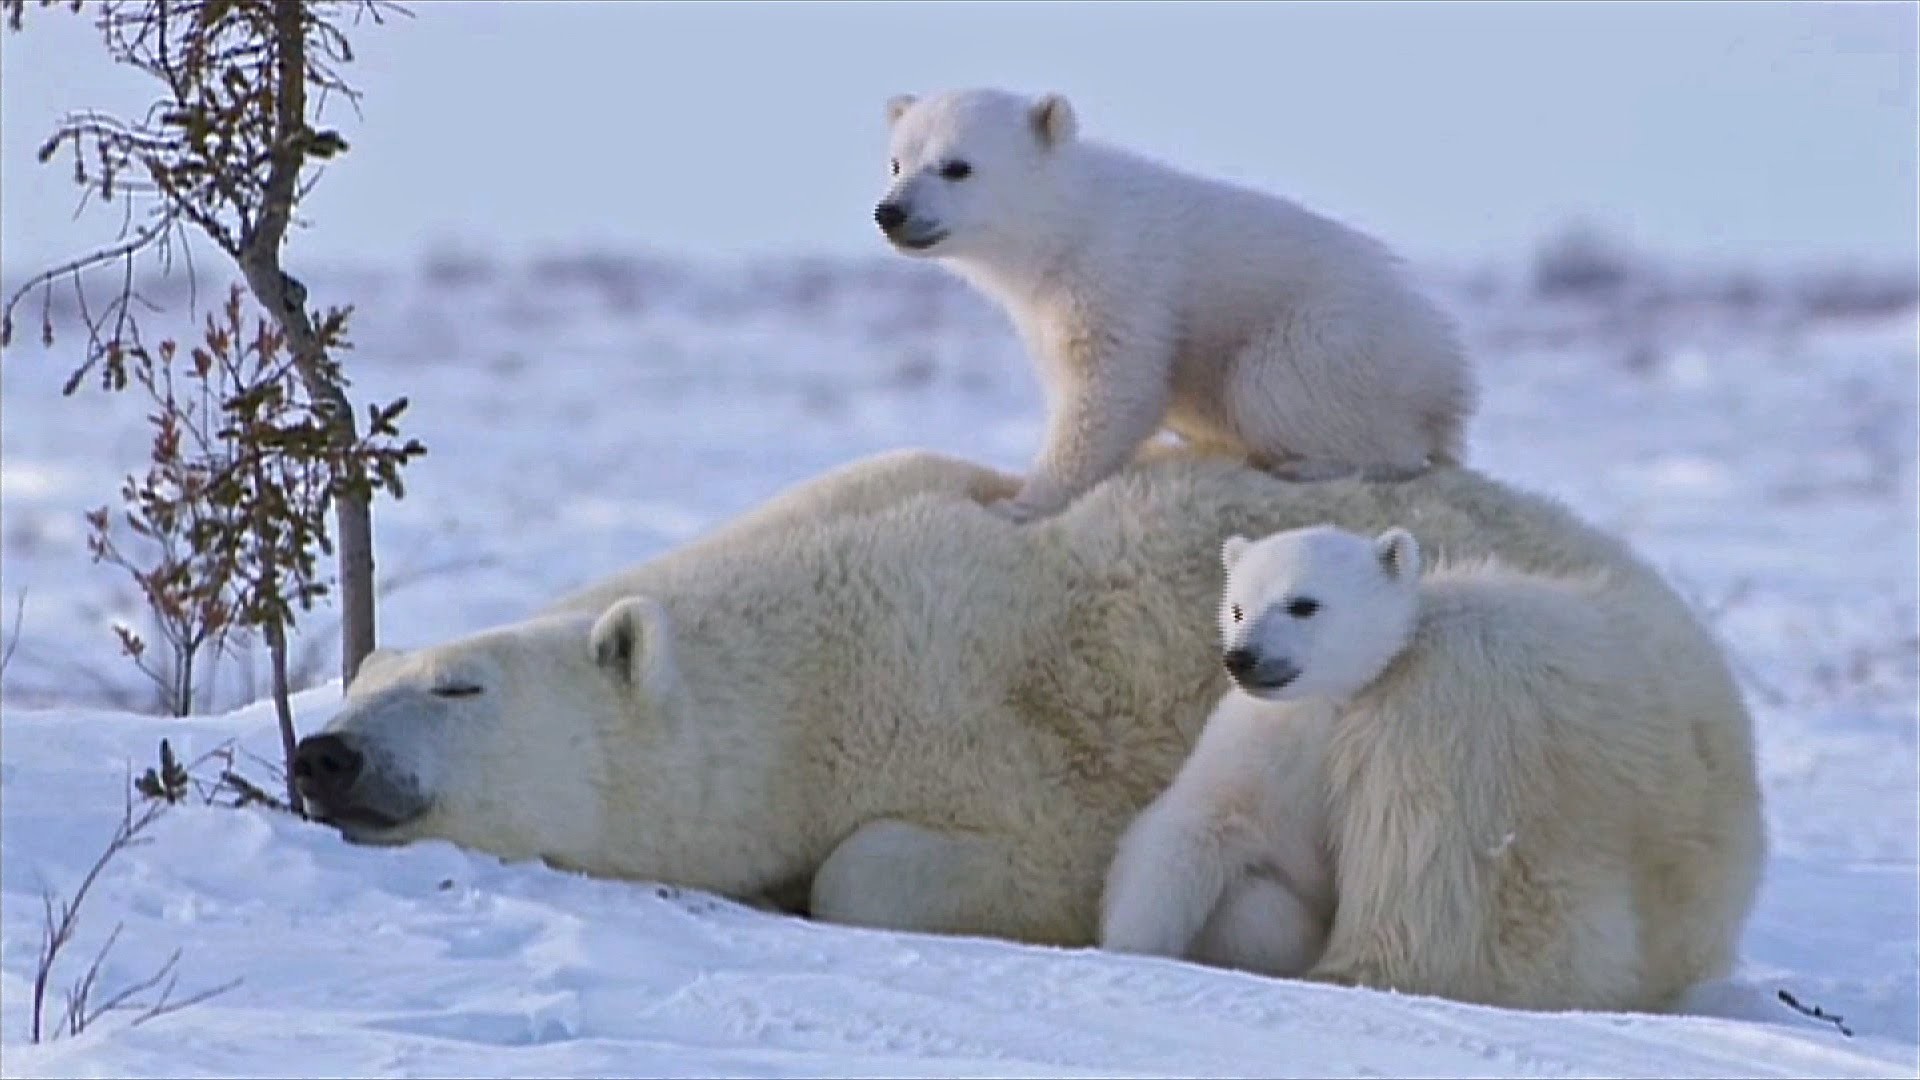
(1742, 132)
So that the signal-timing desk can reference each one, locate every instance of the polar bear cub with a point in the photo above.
(1230, 865)
(1476, 782)
(1153, 298)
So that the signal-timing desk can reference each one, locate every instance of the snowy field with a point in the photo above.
(1754, 437)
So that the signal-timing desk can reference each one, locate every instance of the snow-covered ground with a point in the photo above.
(584, 412)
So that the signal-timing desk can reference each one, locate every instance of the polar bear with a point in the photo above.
(876, 701)
(1501, 768)
(1153, 298)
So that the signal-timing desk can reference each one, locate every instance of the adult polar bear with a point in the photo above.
(923, 716)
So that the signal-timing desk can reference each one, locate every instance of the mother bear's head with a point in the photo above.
(499, 741)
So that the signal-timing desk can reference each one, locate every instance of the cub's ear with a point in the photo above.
(633, 643)
(1399, 554)
(897, 105)
(1232, 549)
(1053, 120)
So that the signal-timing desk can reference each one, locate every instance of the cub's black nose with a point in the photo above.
(325, 767)
(889, 216)
(1240, 662)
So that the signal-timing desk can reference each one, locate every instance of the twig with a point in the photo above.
(120, 999)
(249, 792)
(78, 1016)
(276, 769)
(57, 930)
(128, 247)
(13, 635)
(163, 1006)
(1815, 1012)
(61, 919)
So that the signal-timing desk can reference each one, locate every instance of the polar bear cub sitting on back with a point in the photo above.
(1478, 783)
(1151, 297)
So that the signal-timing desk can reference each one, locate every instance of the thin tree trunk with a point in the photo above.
(286, 302)
(183, 684)
(355, 519)
(283, 708)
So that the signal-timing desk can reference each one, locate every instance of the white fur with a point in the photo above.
(1514, 776)
(878, 700)
(1229, 865)
(1151, 297)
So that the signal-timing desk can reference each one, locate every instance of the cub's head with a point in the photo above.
(1316, 613)
(496, 741)
(971, 171)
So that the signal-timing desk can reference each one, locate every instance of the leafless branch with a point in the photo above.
(249, 792)
(60, 920)
(164, 1006)
(13, 635)
(62, 917)
(125, 248)
(77, 1015)
(1815, 1012)
(119, 1000)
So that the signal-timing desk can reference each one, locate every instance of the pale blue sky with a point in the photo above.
(1728, 131)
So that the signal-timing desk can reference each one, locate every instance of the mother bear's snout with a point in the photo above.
(325, 767)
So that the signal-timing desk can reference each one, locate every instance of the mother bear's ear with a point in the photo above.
(633, 643)
(376, 660)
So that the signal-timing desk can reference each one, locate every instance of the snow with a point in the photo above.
(588, 410)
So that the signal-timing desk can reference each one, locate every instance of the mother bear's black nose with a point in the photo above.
(889, 216)
(1239, 662)
(325, 766)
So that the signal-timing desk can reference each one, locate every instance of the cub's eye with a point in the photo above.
(1237, 613)
(456, 690)
(894, 165)
(956, 170)
(1303, 608)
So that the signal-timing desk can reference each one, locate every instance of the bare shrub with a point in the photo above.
(234, 500)
(60, 921)
(227, 151)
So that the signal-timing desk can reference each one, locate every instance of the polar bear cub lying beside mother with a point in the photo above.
(1499, 768)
